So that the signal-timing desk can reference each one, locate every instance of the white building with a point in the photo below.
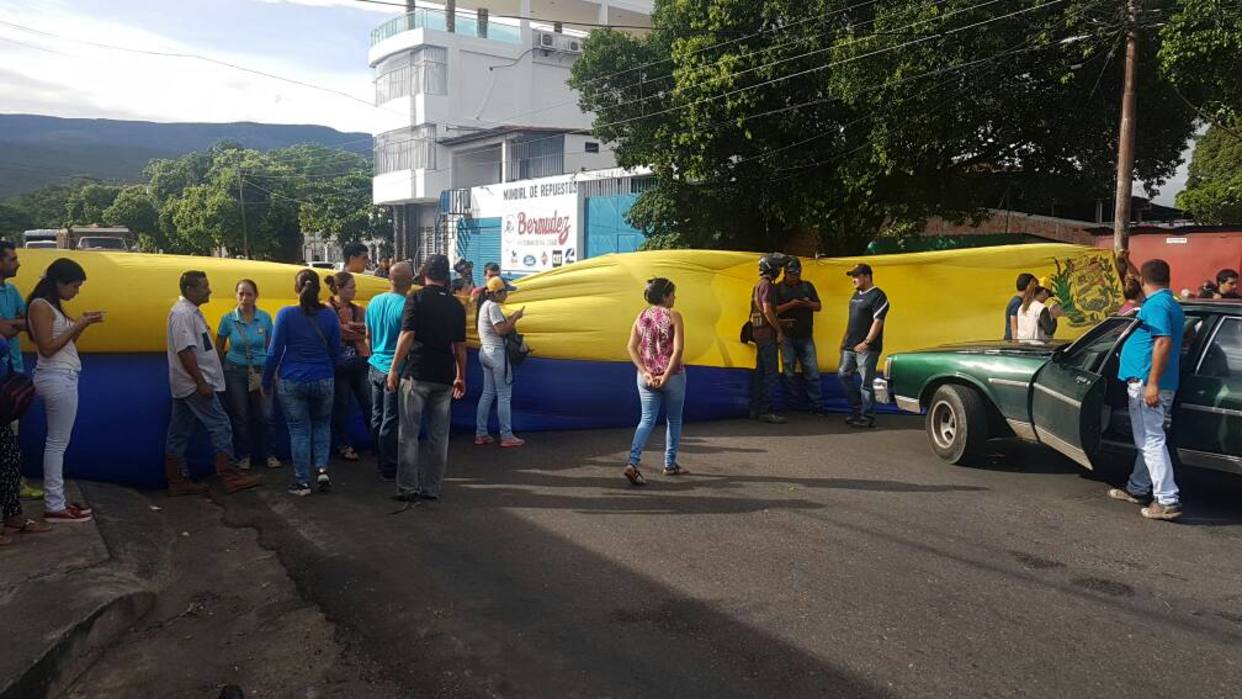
(478, 96)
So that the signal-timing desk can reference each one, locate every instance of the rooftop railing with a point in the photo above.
(467, 24)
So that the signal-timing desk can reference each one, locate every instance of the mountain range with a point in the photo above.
(39, 150)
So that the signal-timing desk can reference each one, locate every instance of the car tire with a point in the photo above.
(957, 423)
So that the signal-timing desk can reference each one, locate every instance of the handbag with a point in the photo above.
(17, 392)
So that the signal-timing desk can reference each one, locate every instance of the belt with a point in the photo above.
(1134, 381)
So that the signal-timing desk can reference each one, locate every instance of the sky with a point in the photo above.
(55, 70)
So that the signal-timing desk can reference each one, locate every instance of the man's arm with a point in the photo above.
(404, 342)
(769, 312)
(190, 363)
(459, 383)
(1161, 348)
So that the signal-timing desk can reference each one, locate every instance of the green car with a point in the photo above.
(1067, 396)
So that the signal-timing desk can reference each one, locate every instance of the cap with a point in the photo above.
(859, 270)
(462, 264)
(438, 268)
(497, 284)
(794, 265)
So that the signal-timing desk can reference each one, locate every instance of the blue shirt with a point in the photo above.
(384, 325)
(303, 354)
(1011, 310)
(1159, 316)
(12, 305)
(246, 339)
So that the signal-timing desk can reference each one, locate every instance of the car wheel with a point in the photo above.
(957, 423)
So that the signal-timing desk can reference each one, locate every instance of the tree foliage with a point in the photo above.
(1201, 53)
(229, 197)
(767, 120)
(1213, 193)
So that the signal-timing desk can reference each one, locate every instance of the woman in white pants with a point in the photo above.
(497, 374)
(56, 377)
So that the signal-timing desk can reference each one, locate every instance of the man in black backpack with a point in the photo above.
(796, 305)
(433, 338)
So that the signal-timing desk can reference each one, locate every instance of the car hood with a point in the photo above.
(996, 347)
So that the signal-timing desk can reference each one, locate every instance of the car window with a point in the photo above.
(1223, 356)
(1091, 350)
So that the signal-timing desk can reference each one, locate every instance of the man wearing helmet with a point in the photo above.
(768, 337)
(797, 304)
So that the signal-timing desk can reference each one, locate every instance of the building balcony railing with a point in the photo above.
(467, 24)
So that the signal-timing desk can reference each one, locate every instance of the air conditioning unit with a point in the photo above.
(559, 43)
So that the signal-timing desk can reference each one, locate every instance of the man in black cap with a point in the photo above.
(768, 336)
(862, 344)
(433, 338)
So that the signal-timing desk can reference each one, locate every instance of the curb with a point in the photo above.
(117, 594)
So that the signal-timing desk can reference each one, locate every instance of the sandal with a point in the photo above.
(636, 477)
(29, 526)
(349, 454)
(674, 470)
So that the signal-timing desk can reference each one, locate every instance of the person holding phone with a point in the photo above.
(657, 342)
(351, 368)
(242, 338)
(55, 336)
(493, 326)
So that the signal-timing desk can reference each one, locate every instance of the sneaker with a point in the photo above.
(243, 464)
(325, 483)
(512, 442)
(273, 462)
(862, 423)
(68, 514)
(30, 492)
(300, 489)
(409, 496)
(484, 440)
(1158, 511)
(1125, 496)
(771, 419)
(83, 509)
(349, 454)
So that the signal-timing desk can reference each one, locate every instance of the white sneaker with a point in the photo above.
(273, 462)
(243, 464)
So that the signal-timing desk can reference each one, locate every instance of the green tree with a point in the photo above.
(86, 205)
(1201, 52)
(14, 221)
(765, 120)
(135, 209)
(46, 206)
(1213, 193)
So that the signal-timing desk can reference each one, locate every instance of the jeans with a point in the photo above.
(496, 387)
(673, 397)
(862, 364)
(801, 350)
(187, 414)
(308, 412)
(349, 382)
(248, 409)
(763, 381)
(1153, 469)
(415, 477)
(59, 390)
(384, 422)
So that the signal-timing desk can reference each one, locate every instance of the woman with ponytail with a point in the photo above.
(55, 335)
(351, 369)
(306, 343)
(657, 342)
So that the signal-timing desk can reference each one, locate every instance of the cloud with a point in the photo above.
(65, 75)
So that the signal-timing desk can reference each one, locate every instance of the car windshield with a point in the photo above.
(1091, 350)
(101, 243)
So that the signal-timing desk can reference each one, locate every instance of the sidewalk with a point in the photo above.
(65, 595)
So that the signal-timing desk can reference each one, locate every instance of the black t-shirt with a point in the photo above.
(802, 319)
(865, 308)
(437, 319)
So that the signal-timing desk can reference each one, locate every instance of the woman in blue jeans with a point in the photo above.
(493, 326)
(657, 342)
(351, 370)
(242, 340)
(305, 345)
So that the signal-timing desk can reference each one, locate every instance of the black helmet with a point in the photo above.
(771, 265)
(794, 265)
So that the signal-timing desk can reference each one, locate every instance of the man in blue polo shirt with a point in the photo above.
(1150, 369)
(384, 313)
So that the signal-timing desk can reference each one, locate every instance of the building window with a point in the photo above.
(536, 155)
(423, 71)
(413, 148)
(592, 147)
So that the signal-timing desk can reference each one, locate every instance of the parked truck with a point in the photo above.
(106, 238)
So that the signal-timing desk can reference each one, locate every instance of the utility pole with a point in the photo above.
(241, 197)
(1125, 141)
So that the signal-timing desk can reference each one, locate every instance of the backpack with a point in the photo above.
(17, 392)
(516, 351)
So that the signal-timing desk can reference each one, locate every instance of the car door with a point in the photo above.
(1067, 393)
(1207, 419)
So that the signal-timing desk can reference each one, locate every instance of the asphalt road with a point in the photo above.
(802, 560)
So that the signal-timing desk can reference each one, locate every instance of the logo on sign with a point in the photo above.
(544, 225)
(529, 260)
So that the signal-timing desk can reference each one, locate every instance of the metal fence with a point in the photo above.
(467, 24)
(422, 71)
(412, 148)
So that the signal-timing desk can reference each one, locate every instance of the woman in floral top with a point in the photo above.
(657, 342)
